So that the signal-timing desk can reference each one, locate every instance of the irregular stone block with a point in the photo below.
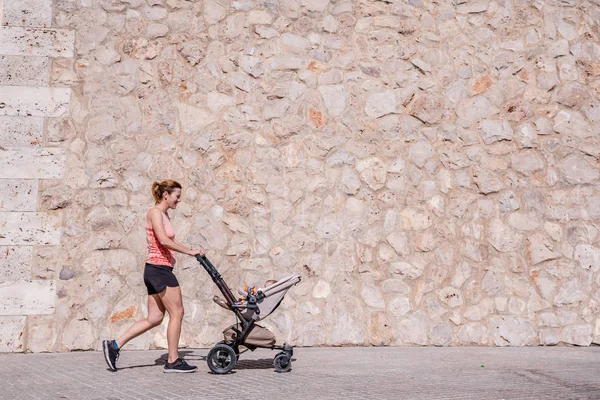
(24, 71)
(334, 97)
(411, 219)
(588, 257)
(214, 12)
(372, 297)
(429, 108)
(472, 7)
(511, 331)
(36, 42)
(476, 108)
(30, 101)
(259, 17)
(287, 62)
(373, 172)
(19, 195)
(295, 43)
(413, 330)
(32, 163)
(572, 123)
(321, 290)
(578, 171)
(527, 162)
(526, 136)
(524, 221)
(350, 181)
(12, 331)
(451, 296)
(27, 297)
(494, 130)
(192, 119)
(26, 229)
(380, 104)
(315, 5)
(78, 334)
(440, 335)
(34, 13)
(540, 249)
(571, 292)
(474, 333)
(420, 152)
(327, 227)
(42, 333)
(502, 237)
(15, 263)
(487, 181)
(252, 66)
(579, 335)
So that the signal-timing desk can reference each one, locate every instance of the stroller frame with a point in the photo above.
(223, 356)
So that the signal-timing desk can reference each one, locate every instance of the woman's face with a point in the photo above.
(173, 198)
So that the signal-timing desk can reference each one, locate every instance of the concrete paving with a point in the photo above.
(317, 373)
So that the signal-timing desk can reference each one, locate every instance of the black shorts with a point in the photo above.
(158, 277)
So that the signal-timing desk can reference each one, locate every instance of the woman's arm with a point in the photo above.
(159, 231)
(200, 250)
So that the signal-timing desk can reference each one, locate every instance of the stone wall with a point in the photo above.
(32, 158)
(430, 168)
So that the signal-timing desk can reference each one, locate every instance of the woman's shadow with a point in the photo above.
(162, 360)
(189, 355)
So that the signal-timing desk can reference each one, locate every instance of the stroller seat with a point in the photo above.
(270, 299)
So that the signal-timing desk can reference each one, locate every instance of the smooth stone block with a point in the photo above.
(15, 263)
(30, 101)
(24, 71)
(21, 131)
(19, 41)
(29, 228)
(27, 297)
(12, 331)
(32, 163)
(36, 13)
(18, 195)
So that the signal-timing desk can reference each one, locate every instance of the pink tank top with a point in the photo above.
(157, 253)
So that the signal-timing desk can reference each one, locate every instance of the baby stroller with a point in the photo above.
(256, 304)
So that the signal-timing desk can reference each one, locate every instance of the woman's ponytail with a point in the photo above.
(156, 191)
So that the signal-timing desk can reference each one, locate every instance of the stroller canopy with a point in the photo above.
(273, 296)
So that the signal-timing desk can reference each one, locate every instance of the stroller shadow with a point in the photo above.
(263, 363)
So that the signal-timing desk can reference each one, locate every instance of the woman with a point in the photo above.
(164, 292)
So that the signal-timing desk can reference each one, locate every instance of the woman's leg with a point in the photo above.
(171, 298)
(156, 312)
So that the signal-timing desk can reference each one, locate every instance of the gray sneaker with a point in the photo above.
(111, 355)
(179, 365)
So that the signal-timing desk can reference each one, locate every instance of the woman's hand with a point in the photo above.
(196, 252)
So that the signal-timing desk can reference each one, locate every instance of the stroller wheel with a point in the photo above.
(282, 362)
(221, 359)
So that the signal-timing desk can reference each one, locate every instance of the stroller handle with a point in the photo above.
(212, 271)
(216, 277)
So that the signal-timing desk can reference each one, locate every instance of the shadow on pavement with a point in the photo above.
(263, 363)
(162, 360)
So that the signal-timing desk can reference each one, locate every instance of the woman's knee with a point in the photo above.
(155, 319)
(177, 312)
